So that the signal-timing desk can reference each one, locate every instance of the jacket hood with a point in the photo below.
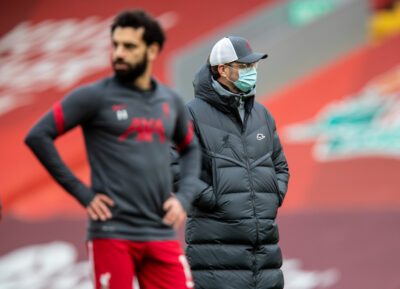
(211, 91)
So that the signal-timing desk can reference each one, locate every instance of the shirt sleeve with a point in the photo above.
(76, 109)
(188, 148)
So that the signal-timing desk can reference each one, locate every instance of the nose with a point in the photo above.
(119, 51)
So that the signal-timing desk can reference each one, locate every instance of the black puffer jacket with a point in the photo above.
(231, 232)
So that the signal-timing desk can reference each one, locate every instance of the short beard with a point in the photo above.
(132, 73)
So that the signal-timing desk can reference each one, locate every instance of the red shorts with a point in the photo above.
(155, 264)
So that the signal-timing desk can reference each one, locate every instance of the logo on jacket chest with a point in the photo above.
(260, 136)
(145, 129)
(120, 111)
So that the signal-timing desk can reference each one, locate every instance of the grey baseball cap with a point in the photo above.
(233, 48)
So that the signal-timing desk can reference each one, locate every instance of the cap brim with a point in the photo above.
(253, 57)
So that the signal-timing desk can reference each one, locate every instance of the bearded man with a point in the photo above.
(129, 121)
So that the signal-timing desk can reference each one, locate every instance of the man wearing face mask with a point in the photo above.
(231, 233)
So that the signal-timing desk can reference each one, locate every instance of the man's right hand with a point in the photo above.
(98, 208)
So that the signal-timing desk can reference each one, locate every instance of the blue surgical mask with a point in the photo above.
(247, 79)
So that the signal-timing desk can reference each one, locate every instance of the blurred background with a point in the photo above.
(332, 82)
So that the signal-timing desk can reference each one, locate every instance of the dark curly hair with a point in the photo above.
(139, 18)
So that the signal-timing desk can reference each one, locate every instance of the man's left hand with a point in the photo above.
(175, 214)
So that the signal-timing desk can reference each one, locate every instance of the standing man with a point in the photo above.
(129, 121)
(231, 231)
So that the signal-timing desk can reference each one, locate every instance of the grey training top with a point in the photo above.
(128, 134)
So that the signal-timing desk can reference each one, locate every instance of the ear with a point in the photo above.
(221, 69)
(152, 51)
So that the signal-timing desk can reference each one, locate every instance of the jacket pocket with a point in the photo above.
(278, 192)
(205, 200)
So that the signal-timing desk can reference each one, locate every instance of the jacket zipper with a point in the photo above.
(243, 137)
(251, 184)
